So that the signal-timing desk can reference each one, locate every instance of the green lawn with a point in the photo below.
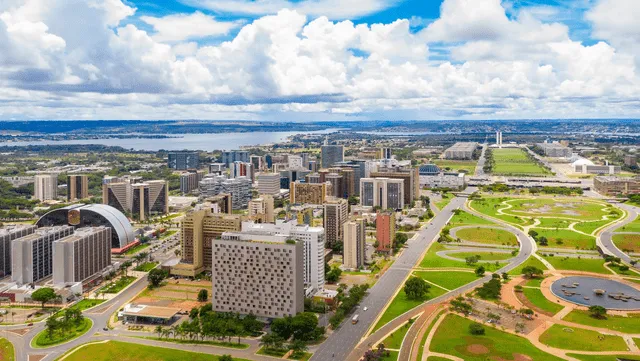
(536, 297)
(631, 227)
(240, 346)
(394, 340)
(462, 218)
(426, 334)
(136, 249)
(627, 242)
(487, 236)
(531, 261)
(514, 162)
(534, 282)
(7, 353)
(401, 304)
(565, 238)
(629, 324)
(168, 234)
(578, 209)
(446, 198)
(118, 285)
(42, 339)
(578, 264)
(490, 206)
(590, 227)
(82, 305)
(146, 267)
(457, 165)
(432, 260)
(393, 356)
(553, 222)
(436, 358)
(603, 357)
(579, 339)
(124, 351)
(449, 280)
(453, 338)
(271, 352)
(484, 256)
(615, 267)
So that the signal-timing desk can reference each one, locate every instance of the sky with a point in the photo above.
(305, 60)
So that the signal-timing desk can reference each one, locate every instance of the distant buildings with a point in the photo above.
(331, 154)
(82, 255)
(630, 160)
(217, 168)
(614, 186)
(382, 192)
(336, 214)
(354, 243)
(303, 193)
(555, 150)
(410, 176)
(7, 236)
(268, 183)
(183, 160)
(499, 138)
(239, 189)
(221, 203)
(241, 169)
(45, 187)
(190, 180)
(385, 230)
(384, 153)
(77, 187)
(256, 163)
(235, 156)
(432, 177)
(597, 169)
(136, 197)
(32, 255)
(261, 209)
(461, 150)
(295, 162)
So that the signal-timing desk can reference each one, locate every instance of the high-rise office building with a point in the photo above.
(221, 203)
(241, 169)
(385, 230)
(198, 230)
(336, 214)
(140, 199)
(217, 168)
(411, 177)
(384, 153)
(331, 154)
(82, 255)
(256, 162)
(313, 166)
(302, 193)
(261, 209)
(280, 232)
(190, 180)
(241, 191)
(354, 243)
(260, 278)
(337, 184)
(499, 138)
(295, 162)
(77, 187)
(32, 255)
(268, 183)
(45, 187)
(235, 156)
(269, 160)
(7, 235)
(382, 192)
(183, 160)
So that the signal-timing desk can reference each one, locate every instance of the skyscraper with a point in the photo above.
(241, 169)
(354, 243)
(336, 213)
(45, 187)
(268, 183)
(301, 193)
(382, 192)
(77, 187)
(229, 157)
(331, 154)
(7, 236)
(140, 199)
(385, 230)
(183, 160)
(190, 180)
(82, 255)
(32, 255)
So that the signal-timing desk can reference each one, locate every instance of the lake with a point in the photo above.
(205, 142)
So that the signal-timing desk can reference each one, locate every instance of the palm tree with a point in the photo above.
(160, 331)
(174, 331)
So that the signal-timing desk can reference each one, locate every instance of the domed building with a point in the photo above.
(92, 215)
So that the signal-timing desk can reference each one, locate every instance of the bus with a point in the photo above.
(354, 320)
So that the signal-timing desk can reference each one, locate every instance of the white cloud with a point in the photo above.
(181, 27)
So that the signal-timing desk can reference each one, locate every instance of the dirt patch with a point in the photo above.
(20, 331)
(478, 349)
(36, 357)
(516, 357)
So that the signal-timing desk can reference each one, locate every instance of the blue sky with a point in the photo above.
(302, 60)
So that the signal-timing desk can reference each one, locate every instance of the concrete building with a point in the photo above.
(295, 162)
(183, 160)
(268, 183)
(241, 169)
(77, 187)
(614, 186)
(336, 214)
(461, 150)
(312, 237)
(32, 255)
(597, 169)
(630, 160)
(337, 184)
(256, 163)
(82, 255)
(384, 153)
(45, 187)
(331, 154)
(235, 156)
(7, 235)
(190, 180)
(302, 193)
(444, 180)
(555, 150)
(385, 230)
(217, 168)
(261, 209)
(499, 138)
(260, 278)
(198, 230)
(239, 188)
(354, 244)
(221, 203)
(410, 176)
(132, 195)
(382, 192)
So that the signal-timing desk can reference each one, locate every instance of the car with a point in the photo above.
(366, 308)
(30, 324)
(105, 329)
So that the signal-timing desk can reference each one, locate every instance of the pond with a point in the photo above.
(590, 291)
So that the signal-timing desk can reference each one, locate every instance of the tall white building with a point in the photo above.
(7, 235)
(269, 183)
(32, 255)
(295, 162)
(386, 193)
(314, 241)
(354, 244)
(82, 255)
(45, 187)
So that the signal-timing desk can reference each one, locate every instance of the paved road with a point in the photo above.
(605, 239)
(481, 161)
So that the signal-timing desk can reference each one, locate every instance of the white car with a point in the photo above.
(364, 309)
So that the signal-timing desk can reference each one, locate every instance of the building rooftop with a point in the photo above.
(149, 311)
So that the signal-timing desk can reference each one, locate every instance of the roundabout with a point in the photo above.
(593, 291)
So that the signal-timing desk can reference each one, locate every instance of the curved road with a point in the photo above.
(605, 238)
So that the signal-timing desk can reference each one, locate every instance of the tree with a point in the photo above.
(505, 276)
(543, 241)
(155, 277)
(225, 358)
(203, 295)
(480, 271)
(598, 312)
(298, 346)
(531, 272)
(333, 276)
(44, 295)
(159, 330)
(476, 329)
(491, 289)
(416, 288)
(282, 327)
(472, 260)
(52, 324)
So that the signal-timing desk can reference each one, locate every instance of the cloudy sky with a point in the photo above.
(319, 59)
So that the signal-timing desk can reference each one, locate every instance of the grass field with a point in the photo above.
(7, 353)
(393, 356)
(490, 206)
(146, 267)
(124, 351)
(487, 236)
(531, 261)
(137, 249)
(581, 340)
(510, 162)
(394, 340)
(42, 339)
(432, 260)
(426, 334)
(484, 256)
(436, 358)
(534, 282)
(453, 338)
(446, 198)
(463, 218)
(82, 305)
(240, 346)
(401, 304)
(565, 238)
(603, 357)
(449, 280)
(536, 297)
(553, 222)
(629, 324)
(118, 285)
(627, 242)
(571, 208)
(631, 227)
(590, 227)
(456, 165)
(578, 264)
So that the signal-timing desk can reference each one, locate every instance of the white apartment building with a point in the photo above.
(314, 244)
(7, 235)
(45, 187)
(386, 193)
(32, 255)
(269, 183)
(261, 209)
(82, 255)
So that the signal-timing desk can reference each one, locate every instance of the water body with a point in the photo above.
(585, 287)
(205, 142)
